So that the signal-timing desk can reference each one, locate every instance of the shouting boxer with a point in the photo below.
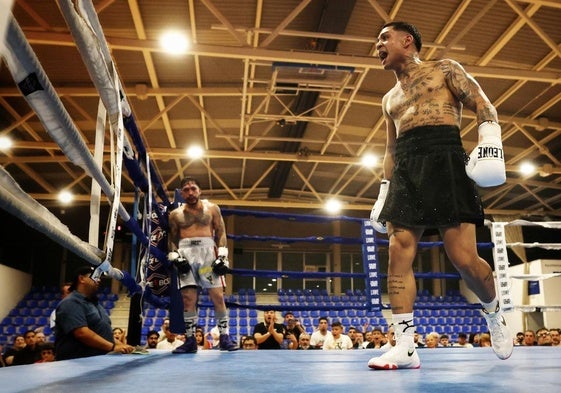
(197, 247)
(430, 183)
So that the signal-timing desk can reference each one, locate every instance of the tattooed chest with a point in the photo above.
(195, 218)
(423, 100)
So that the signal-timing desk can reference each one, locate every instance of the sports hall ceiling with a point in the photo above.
(284, 95)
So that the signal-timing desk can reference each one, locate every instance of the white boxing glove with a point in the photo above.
(223, 252)
(172, 256)
(378, 206)
(486, 165)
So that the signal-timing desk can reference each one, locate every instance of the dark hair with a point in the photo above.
(151, 332)
(408, 28)
(189, 179)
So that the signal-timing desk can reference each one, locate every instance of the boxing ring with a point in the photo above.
(442, 370)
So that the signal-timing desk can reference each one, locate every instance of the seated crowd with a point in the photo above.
(289, 333)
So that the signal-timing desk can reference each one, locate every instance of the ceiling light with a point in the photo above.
(65, 197)
(195, 152)
(174, 42)
(333, 206)
(5, 143)
(369, 160)
(527, 168)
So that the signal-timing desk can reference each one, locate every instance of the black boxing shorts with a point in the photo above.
(429, 187)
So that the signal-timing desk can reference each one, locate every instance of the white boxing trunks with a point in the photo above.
(200, 252)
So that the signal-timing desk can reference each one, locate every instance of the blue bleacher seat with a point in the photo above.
(242, 322)
(253, 313)
(148, 321)
(233, 322)
(233, 313)
(9, 330)
(161, 313)
(253, 321)
(242, 312)
(244, 331)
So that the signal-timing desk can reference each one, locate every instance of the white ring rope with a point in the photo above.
(546, 246)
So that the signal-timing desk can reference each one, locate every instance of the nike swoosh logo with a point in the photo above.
(410, 352)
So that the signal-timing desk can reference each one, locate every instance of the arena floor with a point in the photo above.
(442, 370)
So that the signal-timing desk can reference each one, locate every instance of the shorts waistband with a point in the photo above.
(196, 242)
(428, 138)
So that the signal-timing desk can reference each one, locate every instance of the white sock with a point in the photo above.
(403, 327)
(491, 307)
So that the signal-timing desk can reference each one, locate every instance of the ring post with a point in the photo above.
(370, 262)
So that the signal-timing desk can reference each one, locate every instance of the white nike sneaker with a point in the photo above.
(400, 356)
(501, 337)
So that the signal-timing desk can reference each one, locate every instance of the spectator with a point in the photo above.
(304, 342)
(485, 340)
(367, 335)
(163, 329)
(152, 339)
(376, 339)
(390, 339)
(544, 337)
(555, 337)
(202, 343)
(293, 327)
(47, 353)
(40, 337)
(31, 353)
(269, 334)
(444, 341)
(359, 340)
(119, 335)
(338, 340)
(249, 343)
(474, 339)
(418, 340)
(19, 344)
(529, 338)
(431, 340)
(83, 327)
(171, 342)
(462, 341)
(64, 291)
(321, 334)
(519, 338)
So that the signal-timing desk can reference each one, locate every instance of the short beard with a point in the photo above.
(192, 204)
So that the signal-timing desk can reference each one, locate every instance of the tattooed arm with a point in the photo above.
(466, 89)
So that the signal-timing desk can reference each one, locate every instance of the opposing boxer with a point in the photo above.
(428, 185)
(197, 246)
